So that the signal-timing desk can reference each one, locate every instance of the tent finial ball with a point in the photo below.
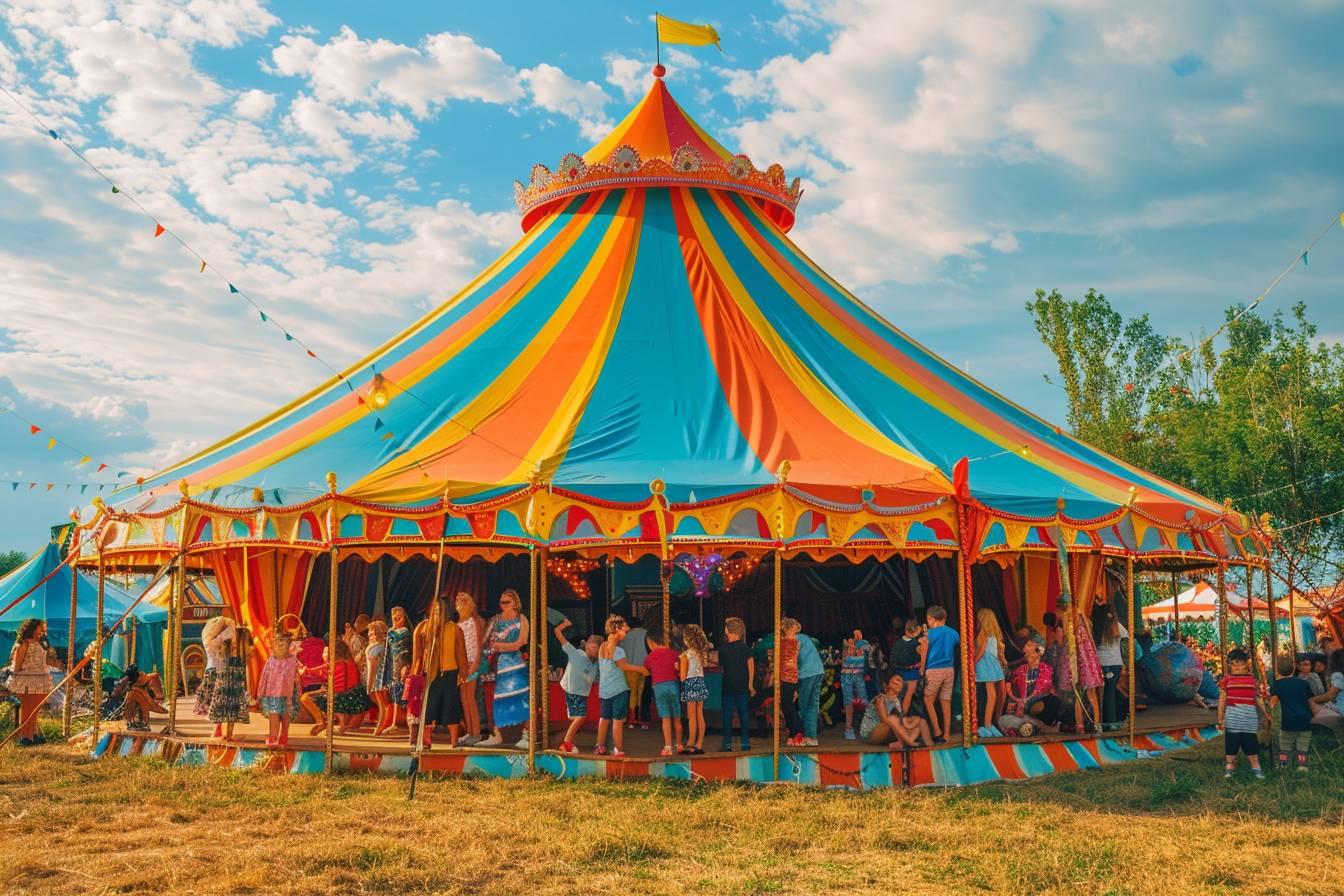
(659, 70)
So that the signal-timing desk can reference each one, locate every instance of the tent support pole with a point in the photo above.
(1292, 614)
(246, 609)
(67, 708)
(1129, 663)
(98, 650)
(532, 665)
(1222, 618)
(174, 659)
(966, 617)
(1273, 628)
(778, 612)
(1176, 604)
(329, 746)
(544, 667)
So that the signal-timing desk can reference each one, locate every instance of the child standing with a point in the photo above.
(788, 678)
(278, 690)
(1294, 698)
(989, 665)
(612, 687)
(853, 664)
(577, 682)
(694, 693)
(662, 663)
(228, 701)
(907, 656)
(378, 676)
(939, 672)
(1239, 713)
(738, 671)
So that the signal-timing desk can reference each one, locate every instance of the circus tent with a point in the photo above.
(654, 368)
(1199, 603)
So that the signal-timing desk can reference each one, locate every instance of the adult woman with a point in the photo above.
(473, 635)
(30, 680)
(883, 723)
(1032, 691)
(439, 653)
(1112, 661)
(507, 637)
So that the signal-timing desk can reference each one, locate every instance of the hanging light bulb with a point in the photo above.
(378, 391)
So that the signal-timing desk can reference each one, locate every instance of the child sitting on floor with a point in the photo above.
(577, 682)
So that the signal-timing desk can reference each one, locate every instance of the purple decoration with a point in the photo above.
(700, 569)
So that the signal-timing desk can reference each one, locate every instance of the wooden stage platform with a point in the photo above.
(836, 762)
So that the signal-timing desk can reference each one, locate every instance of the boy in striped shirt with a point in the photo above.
(1239, 713)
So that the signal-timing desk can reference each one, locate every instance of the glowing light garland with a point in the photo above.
(701, 570)
(573, 571)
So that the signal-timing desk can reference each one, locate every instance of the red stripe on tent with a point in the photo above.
(716, 768)
(839, 770)
(1005, 761)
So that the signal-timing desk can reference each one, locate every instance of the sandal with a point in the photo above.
(665, 751)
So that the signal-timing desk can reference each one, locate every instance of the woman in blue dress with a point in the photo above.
(506, 640)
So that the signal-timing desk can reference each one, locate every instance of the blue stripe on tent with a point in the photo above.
(1033, 761)
(760, 769)
(1113, 750)
(1164, 741)
(1081, 754)
(875, 770)
(964, 766)
(308, 762)
(494, 766)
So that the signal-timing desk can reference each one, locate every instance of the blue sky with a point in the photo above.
(351, 165)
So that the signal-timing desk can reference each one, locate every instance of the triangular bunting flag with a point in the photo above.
(122, 473)
(1304, 260)
(67, 486)
(101, 487)
(83, 461)
(158, 229)
(114, 189)
(49, 486)
(289, 338)
(14, 486)
(83, 488)
(377, 423)
(34, 429)
(54, 136)
(232, 288)
(202, 266)
(51, 443)
(101, 468)
(263, 316)
(31, 486)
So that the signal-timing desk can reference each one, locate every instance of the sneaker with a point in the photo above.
(568, 747)
(599, 751)
(1259, 774)
(796, 740)
(810, 742)
(617, 753)
(493, 740)
(469, 740)
(665, 751)
(850, 735)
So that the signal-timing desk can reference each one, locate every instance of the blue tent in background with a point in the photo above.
(51, 602)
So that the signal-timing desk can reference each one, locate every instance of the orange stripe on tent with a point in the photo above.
(766, 403)
(840, 770)
(1060, 757)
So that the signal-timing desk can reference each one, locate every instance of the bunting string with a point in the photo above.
(264, 316)
(86, 459)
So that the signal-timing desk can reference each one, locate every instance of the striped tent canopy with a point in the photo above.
(655, 330)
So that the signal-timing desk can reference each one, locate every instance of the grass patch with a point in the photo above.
(72, 825)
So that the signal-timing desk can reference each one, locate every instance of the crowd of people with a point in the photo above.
(427, 681)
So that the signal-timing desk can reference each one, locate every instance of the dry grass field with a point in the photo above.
(1169, 826)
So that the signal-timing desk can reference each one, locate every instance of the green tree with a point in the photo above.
(10, 561)
(1259, 420)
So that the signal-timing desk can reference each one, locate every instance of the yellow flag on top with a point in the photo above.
(670, 31)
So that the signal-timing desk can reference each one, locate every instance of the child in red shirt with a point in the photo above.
(788, 679)
(1239, 712)
(662, 663)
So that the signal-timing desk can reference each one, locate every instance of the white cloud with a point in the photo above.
(348, 69)
(1005, 242)
(254, 104)
(629, 76)
(583, 101)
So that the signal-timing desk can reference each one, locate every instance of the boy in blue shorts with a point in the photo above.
(577, 682)
(853, 664)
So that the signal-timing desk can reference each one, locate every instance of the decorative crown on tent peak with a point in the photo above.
(658, 145)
